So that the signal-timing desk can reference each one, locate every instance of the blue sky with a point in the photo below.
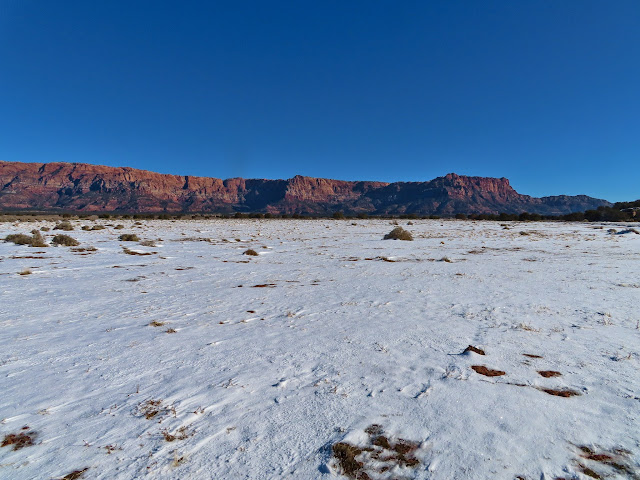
(545, 93)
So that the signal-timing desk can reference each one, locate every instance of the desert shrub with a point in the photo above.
(251, 252)
(128, 237)
(64, 225)
(86, 227)
(119, 227)
(148, 243)
(38, 240)
(398, 233)
(98, 227)
(461, 216)
(18, 239)
(45, 229)
(65, 240)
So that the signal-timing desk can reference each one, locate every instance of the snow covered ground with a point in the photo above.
(199, 362)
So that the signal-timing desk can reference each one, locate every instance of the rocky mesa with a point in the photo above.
(83, 187)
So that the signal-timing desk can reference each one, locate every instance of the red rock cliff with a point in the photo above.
(93, 188)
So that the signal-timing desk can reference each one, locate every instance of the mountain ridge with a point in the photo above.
(95, 188)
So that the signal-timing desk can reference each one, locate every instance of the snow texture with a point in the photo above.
(185, 359)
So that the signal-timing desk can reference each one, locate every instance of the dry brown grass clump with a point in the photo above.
(398, 233)
(65, 240)
(128, 251)
(251, 252)
(64, 225)
(128, 237)
(18, 239)
(75, 474)
(150, 409)
(549, 373)
(36, 240)
(84, 249)
(181, 434)
(19, 440)
(380, 456)
(156, 323)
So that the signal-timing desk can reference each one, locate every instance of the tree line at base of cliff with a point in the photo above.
(618, 212)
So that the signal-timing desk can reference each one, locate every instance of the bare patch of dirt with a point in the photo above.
(473, 349)
(487, 372)
(560, 393)
(603, 463)
(549, 373)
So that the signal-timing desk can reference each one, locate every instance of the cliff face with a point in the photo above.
(92, 188)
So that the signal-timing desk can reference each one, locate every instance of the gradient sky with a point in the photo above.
(545, 93)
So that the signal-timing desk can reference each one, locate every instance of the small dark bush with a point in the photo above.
(98, 227)
(65, 240)
(398, 233)
(65, 225)
(119, 227)
(251, 252)
(86, 227)
(128, 237)
(45, 229)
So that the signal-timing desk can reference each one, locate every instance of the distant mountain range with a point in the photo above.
(82, 187)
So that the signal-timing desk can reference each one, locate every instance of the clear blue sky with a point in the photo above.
(545, 93)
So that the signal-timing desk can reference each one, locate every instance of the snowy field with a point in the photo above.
(331, 354)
